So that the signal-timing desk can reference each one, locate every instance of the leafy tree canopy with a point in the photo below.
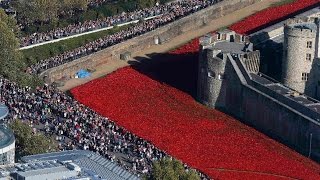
(28, 143)
(172, 170)
(45, 10)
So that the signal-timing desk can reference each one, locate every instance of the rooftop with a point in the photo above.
(6, 136)
(4, 111)
(299, 99)
(230, 47)
(308, 26)
(91, 164)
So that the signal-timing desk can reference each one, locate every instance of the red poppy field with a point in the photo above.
(205, 139)
(271, 15)
(159, 108)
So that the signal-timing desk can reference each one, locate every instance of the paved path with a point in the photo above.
(224, 21)
(85, 33)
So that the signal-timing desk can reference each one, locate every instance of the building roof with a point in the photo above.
(6, 136)
(310, 26)
(299, 102)
(92, 164)
(230, 47)
(4, 111)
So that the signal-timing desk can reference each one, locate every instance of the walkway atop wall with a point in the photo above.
(179, 40)
(85, 33)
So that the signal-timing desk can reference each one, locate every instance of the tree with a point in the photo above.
(10, 57)
(73, 5)
(28, 143)
(10, 21)
(146, 3)
(172, 170)
(31, 11)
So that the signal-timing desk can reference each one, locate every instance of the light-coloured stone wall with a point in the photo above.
(295, 61)
(139, 43)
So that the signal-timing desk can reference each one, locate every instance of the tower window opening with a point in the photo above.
(305, 76)
(243, 38)
(308, 57)
(219, 36)
(211, 74)
(221, 76)
(309, 44)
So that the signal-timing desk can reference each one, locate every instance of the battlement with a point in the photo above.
(301, 30)
(226, 35)
(302, 19)
(302, 26)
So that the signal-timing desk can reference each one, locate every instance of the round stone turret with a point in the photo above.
(299, 51)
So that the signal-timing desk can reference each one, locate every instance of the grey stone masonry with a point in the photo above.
(214, 68)
(254, 98)
(299, 66)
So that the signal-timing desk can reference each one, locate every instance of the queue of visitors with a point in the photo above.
(124, 17)
(62, 116)
(109, 40)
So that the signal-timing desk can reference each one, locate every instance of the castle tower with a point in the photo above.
(299, 68)
(214, 74)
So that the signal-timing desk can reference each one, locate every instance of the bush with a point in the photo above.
(171, 169)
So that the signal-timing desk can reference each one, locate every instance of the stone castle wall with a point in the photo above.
(139, 43)
(274, 114)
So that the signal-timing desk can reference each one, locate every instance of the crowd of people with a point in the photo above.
(60, 115)
(179, 10)
(86, 26)
(124, 17)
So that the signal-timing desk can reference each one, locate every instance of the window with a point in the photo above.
(221, 76)
(309, 44)
(243, 38)
(305, 76)
(211, 74)
(308, 57)
(219, 36)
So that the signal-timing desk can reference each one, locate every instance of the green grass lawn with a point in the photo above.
(36, 54)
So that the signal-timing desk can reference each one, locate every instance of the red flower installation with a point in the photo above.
(271, 15)
(205, 139)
